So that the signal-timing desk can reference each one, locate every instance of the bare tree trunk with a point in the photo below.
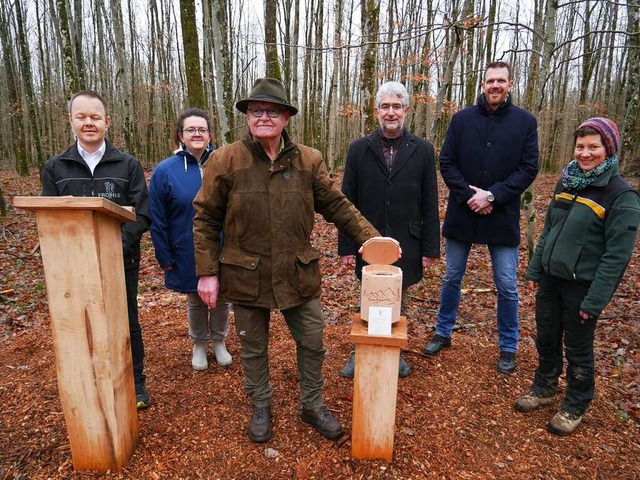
(27, 83)
(454, 44)
(122, 75)
(332, 114)
(630, 153)
(222, 65)
(549, 44)
(271, 39)
(18, 148)
(3, 205)
(370, 31)
(195, 89)
(75, 28)
(72, 83)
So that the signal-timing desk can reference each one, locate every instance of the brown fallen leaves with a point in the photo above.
(454, 416)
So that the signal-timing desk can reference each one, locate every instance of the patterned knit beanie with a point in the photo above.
(607, 130)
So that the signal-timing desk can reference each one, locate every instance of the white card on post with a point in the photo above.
(380, 320)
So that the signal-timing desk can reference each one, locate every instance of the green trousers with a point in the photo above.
(306, 324)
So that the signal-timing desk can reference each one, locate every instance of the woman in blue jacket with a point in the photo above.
(174, 183)
(587, 241)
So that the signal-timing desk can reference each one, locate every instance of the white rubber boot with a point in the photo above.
(199, 359)
(220, 351)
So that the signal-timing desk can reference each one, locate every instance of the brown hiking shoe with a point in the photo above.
(564, 423)
(323, 422)
(260, 427)
(530, 401)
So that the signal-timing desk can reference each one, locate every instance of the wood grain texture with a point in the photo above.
(84, 274)
(98, 204)
(375, 389)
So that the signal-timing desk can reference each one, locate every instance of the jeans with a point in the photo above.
(557, 316)
(504, 261)
(204, 323)
(135, 331)
(306, 324)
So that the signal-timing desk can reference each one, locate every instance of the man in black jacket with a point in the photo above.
(390, 176)
(92, 167)
(489, 158)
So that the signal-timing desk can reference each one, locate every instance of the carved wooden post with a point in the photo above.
(81, 247)
(375, 385)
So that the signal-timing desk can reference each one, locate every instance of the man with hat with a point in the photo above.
(262, 192)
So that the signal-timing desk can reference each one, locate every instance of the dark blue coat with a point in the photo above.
(496, 151)
(174, 183)
(401, 203)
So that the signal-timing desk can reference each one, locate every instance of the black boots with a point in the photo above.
(260, 427)
(348, 371)
(437, 343)
(323, 422)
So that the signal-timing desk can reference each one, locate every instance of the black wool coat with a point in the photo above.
(495, 151)
(401, 203)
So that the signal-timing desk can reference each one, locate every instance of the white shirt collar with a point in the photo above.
(92, 158)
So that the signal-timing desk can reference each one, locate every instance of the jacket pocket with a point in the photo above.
(415, 229)
(239, 275)
(308, 272)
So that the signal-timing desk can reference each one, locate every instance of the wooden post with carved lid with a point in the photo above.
(375, 386)
(81, 247)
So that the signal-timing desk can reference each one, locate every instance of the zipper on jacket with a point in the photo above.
(564, 221)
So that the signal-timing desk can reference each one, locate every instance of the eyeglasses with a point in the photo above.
(272, 112)
(386, 106)
(200, 131)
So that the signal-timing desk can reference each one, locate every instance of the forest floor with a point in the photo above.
(454, 418)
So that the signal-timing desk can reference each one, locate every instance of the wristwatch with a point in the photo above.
(490, 197)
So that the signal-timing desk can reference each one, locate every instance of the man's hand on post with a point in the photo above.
(208, 287)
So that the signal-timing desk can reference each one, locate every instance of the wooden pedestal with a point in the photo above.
(375, 389)
(81, 247)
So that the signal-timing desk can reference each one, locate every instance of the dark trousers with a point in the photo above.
(557, 316)
(135, 331)
(306, 324)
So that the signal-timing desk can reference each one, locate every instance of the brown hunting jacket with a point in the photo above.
(266, 211)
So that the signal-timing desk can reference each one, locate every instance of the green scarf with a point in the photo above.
(574, 178)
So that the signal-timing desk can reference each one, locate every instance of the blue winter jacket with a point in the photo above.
(174, 183)
(496, 151)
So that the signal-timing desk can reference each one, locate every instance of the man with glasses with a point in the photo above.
(489, 158)
(262, 192)
(390, 176)
(92, 167)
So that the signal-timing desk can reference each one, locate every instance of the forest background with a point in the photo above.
(151, 58)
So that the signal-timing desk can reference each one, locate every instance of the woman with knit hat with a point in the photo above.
(588, 238)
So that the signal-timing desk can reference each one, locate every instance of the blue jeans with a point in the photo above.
(504, 261)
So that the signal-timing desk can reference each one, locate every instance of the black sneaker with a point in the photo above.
(437, 343)
(507, 362)
(349, 369)
(143, 400)
(323, 422)
(404, 370)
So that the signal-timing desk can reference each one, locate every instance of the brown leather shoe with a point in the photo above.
(564, 422)
(260, 427)
(323, 422)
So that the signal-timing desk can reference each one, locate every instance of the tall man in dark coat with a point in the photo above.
(390, 176)
(489, 157)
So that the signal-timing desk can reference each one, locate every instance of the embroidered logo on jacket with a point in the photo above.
(109, 191)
